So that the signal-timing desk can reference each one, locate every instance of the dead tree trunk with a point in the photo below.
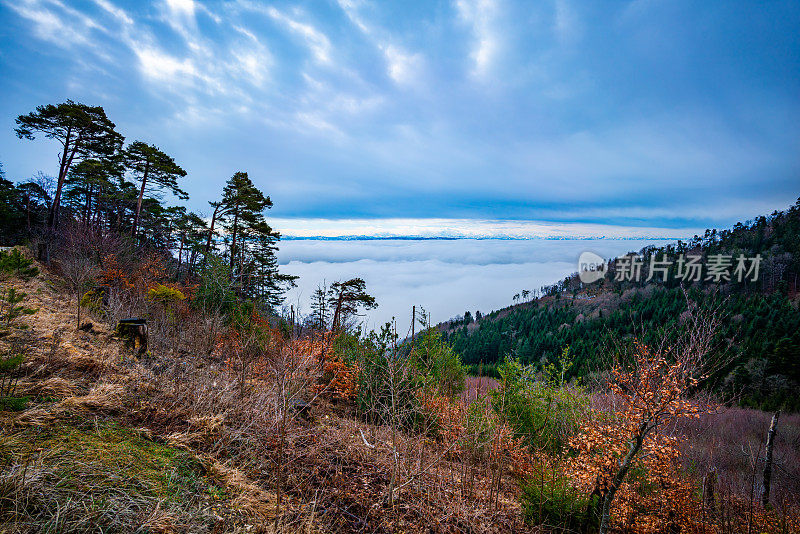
(773, 428)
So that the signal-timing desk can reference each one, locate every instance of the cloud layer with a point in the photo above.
(444, 277)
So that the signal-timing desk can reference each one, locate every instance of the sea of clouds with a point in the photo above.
(446, 277)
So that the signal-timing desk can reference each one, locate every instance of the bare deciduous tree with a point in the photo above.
(79, 273)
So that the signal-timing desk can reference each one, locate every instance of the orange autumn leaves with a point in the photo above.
(474, 430)
(646, 395)
(147, 273)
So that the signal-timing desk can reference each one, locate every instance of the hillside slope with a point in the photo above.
(85, 453)
(761, 334)
(101, 440)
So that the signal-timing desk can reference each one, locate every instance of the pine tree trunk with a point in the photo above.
(52, 219)
(233, 236)
(211, 228)
(180, 251)
(86, 206)
(139, 200)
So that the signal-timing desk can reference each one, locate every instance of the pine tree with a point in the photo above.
(266, 282)
(242, 206)
(252, 263)
(83, 131)
(87, 181)
(188, 232)
(154, 169)
(319, 308)
(195, 238)
(347, 298)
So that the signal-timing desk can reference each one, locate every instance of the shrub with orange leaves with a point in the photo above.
(474, 430)
(444, 418)
(624, 457)
(340, 378)
(113, 274)
(142, 274)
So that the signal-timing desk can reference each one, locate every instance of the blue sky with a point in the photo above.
(647, 113)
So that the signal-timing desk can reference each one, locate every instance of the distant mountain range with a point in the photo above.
(427, 229)
(498, 237)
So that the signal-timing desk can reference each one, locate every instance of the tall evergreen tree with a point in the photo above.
(252, 243)
(320, 312)
(87, 181)
(196, 229)
(243, 206)
(83, 132)
(155, 171)
(267, 282)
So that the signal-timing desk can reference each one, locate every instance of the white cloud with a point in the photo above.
(316, 41)
(247, 33)
(480, 16)
(350, 9)
(401, 66)
(255, 65)
(204, 69)
(254, 59)
(182, 7)
(49, 26)
(316, 122)
(161, 66)
(116, 12)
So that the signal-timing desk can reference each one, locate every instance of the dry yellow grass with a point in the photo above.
(250, 498)
(37, 417)
(160, 522)
(51, 387)
(105, 397)
(64, 361)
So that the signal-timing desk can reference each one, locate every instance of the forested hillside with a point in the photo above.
(760, 336)
(116, 200)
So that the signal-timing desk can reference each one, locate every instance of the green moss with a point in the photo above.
(14, 404)
(112, 472)
(142, 464)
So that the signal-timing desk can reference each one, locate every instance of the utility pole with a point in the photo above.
(773, 428)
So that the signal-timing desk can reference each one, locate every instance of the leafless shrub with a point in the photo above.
(78, 273)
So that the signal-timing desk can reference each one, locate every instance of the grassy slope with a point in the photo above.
(116, 440)
(71, 461)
